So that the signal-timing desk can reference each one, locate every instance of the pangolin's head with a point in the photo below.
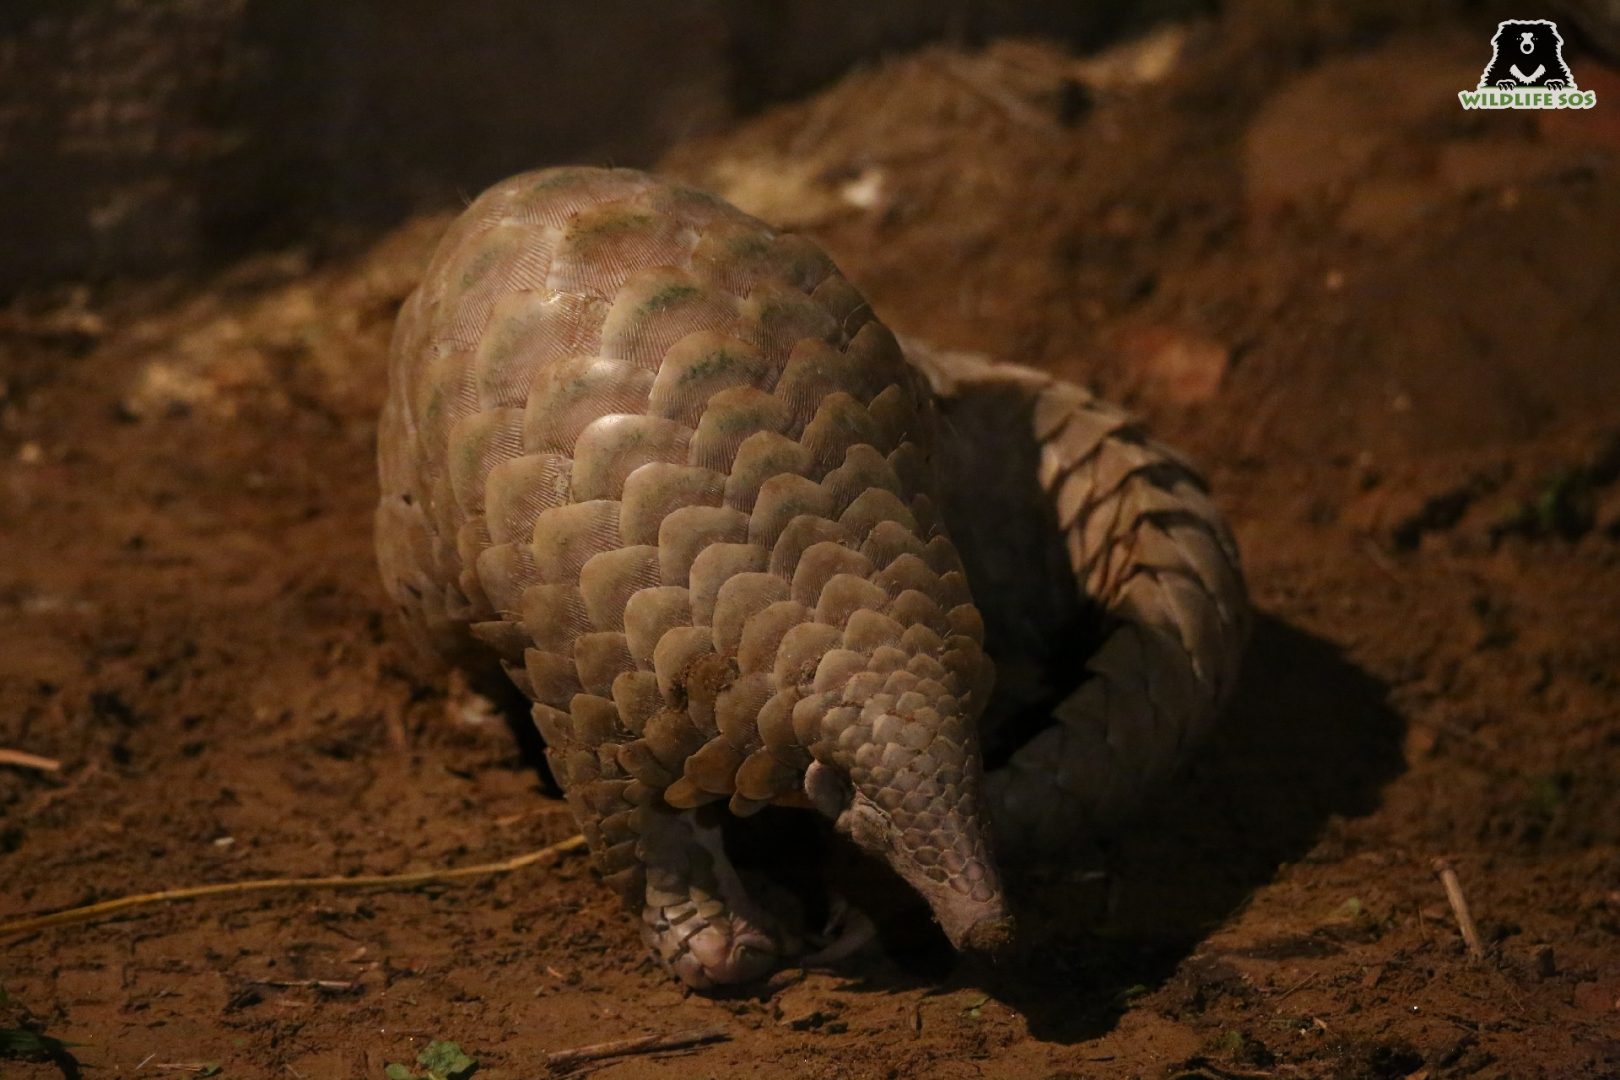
(900, 774)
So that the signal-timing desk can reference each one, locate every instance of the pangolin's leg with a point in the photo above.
(1080, 533)
(696, 915)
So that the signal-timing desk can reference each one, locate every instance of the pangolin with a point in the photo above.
(661, 464)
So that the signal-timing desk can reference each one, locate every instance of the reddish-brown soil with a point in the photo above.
(1387, 327)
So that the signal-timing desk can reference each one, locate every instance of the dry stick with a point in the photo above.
(1459, 908)
(363, 881)
(24, 760)
(331, 986)
(1302, 984)
(563, 1060)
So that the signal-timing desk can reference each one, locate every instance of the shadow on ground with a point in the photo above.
(1309, 738)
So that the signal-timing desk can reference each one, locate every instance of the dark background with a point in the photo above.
(154, 134)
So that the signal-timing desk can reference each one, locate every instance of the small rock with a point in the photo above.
(166, 389)
(865, 192)
(783, 979)
(805, 1020)
(1142, 62)
(803, 1012)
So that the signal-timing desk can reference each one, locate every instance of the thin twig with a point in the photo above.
(1376, 556)
(331, 986)
(563, 1060)
(62, 792)
(363, 881)
(22, 759)
(1302, 984)
(1459, 908)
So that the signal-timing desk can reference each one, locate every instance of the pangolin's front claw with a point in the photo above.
(848, 931)
(707, 949)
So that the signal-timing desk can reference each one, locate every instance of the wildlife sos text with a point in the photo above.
(1527, 99)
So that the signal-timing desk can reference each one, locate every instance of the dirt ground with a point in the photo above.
(1386, 326)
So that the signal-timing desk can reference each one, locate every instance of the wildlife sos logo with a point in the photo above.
(1527, 71)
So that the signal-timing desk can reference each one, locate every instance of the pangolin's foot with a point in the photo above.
(848, 931)
(704, 945)
(698, 918)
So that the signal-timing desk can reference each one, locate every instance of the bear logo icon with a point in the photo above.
(1527, 53)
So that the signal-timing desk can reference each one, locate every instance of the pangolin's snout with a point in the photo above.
(990, 934)
(944, 854)
(972, 923)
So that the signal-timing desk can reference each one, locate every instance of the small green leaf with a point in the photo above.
(444, 1060)
(396, 1071)
(210, 1068)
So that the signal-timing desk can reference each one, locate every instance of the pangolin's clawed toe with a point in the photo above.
(720, 952)
(848, 931)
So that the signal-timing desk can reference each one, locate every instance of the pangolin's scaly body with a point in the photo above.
(663, 464)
